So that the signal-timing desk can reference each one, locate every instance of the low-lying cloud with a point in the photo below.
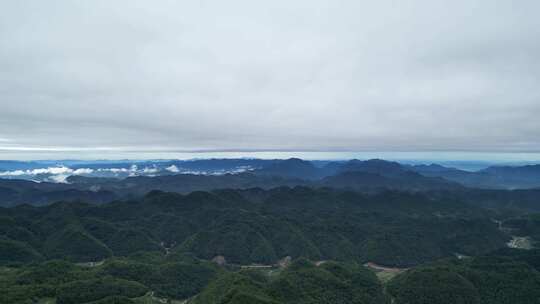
(54, 174)
(173, 169)
(50, 170)
(60, 173)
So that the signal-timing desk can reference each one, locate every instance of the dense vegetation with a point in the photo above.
(254, 226)
(224, 246)
(302, 282)
(506, 276)
(502, 278)
(525, 226)
(130, 280)
(114, 280)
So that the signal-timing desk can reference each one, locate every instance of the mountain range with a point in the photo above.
(494, 177)
(269, 232)
(366, 176)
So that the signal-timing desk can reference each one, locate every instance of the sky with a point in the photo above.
(98, 79)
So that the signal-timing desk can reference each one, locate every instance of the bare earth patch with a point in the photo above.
(519, 242)
(383, 273)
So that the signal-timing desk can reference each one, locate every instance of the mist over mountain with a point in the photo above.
(99, 182)
(496, 177)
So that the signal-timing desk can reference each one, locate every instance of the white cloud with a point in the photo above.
(82, 171)
(60, 178)
(50, 170)
(53, 171)
(148, 170)
(13, 173)
(173, 169)
(113, 170)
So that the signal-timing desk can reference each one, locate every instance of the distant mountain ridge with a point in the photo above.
(293, 168)
(359, 175)
(367, 176)
(495, 177)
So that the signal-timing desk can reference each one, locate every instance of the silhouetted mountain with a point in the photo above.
(502, 177)
(81, 180)
(100, 190)
(368, 176)
(331, 168)
(8, 165)
(185, 183)
(496, 177)
(514, 177)
(402, 180)
(431, 168)
(374, 166)
(216, 164)
(298, 168)
(15, 192)
(291, 168)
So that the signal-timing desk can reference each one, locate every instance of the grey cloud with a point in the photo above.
(279, 75)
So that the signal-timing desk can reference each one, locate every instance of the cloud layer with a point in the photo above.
(280, 75)
(60, 172)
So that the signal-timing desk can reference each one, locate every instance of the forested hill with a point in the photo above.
(235, 246)
(254, 226)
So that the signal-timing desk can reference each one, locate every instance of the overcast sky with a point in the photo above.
(100, 76)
